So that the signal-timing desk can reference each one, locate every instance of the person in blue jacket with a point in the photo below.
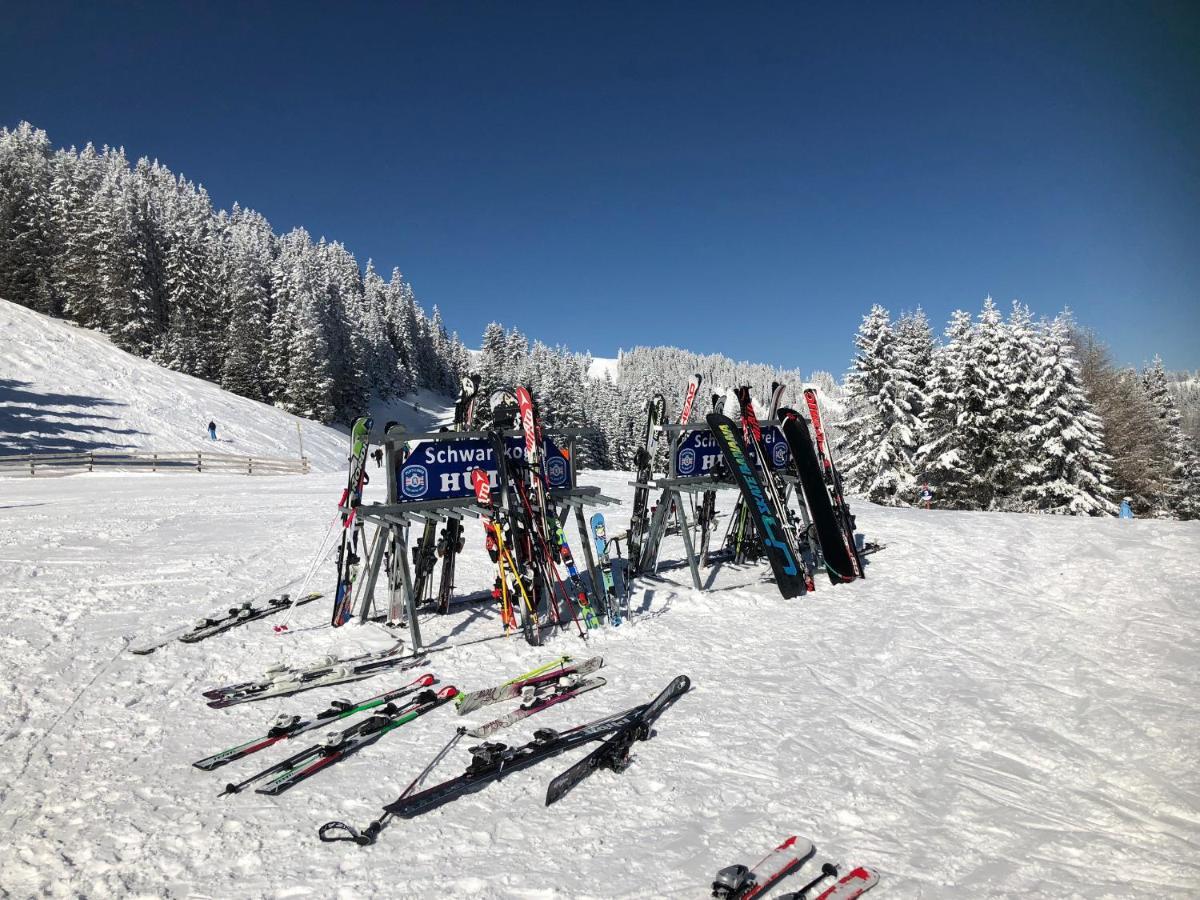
(212, 430)
(1126, 509)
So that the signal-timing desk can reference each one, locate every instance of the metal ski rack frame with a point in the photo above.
(673, 487)
(392, 520)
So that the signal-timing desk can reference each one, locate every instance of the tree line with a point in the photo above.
(140, 253)
(1001, 414)
(1011, 414)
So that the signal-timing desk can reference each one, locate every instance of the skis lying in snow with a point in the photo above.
(286, 727)
(250, 611)
(340, 744)
(567, 687)
(741, 882)
(853, 884)
(282, 683)
(491, 762)
(614, 752)
(316, 667)
(510, 690)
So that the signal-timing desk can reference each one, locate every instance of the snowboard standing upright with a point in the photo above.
(835, 544)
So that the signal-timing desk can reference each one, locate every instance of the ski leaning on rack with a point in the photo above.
(832, 477)
(656, 413)
(287, 727)
(770, 522)
(706, 517)
(742, 883)
(614, 753)
(218, 623)
(348, 559)
(600, 539)
(451, 543)
(340, 744)
(835, 544)
(660, 521)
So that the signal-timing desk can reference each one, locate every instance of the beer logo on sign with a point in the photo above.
(687, 461)
(414, 481)
(556, 470)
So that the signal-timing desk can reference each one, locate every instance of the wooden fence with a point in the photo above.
(68, 463)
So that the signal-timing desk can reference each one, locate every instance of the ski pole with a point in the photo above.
(829, 870)
(368, 835)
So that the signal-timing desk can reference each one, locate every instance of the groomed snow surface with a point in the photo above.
(1006, 707)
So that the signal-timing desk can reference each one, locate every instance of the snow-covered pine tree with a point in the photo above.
(244, 279)
(945, 461)
(491, 359)
(914, 341)
(1013, 420)
(880, 435)
(27, 235)
(1065, 468)
(75, 269)
(1182, 497)
(310, 386)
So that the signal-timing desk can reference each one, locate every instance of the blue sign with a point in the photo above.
(698, 453)
(441, 470)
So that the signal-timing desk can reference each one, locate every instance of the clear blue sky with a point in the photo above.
(735, 178)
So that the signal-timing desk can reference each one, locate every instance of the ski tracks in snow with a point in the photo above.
(1005, 706)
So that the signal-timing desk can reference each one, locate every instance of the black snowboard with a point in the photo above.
(835, 547)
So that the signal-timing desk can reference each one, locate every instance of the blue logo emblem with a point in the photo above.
(556, 471)
(414, 481)
(687, 461)
(779, 453)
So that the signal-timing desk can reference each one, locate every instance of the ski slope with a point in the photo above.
(1006, 707)
(68, 389)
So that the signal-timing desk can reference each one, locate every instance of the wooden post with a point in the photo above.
(249, 465)
(199, 462)
(31, 472)
(91, 460)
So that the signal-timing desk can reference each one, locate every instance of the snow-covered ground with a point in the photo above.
(67, 389)
(1007, 706)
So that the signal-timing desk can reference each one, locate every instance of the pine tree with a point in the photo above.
(26, 218)
(880, 436)
(1065, 466)
(1182, 497)
(945, 460)
(1013, 420)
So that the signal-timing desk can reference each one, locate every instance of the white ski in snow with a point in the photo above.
(573, 687)
(852, 885)
(741, 883)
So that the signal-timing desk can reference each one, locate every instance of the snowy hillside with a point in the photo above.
(1006, 707)
(64, 388)
(604, 367)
